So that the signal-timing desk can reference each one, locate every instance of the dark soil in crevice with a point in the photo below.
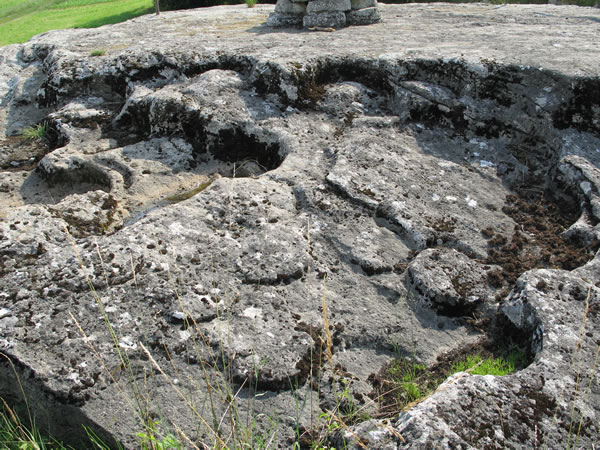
(310, 80)
(235, 145)
(534, 152)
(582, 111)
(537, 241)
(54, 138)
(317, 357)
(19, 153)
(310, 364)
(86, 175)
(362, 71)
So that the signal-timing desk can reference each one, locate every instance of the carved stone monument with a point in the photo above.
(324, 13)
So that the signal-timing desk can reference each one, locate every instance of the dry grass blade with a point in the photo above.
(21, 388)
(333, 417)
(395, 433)
(328, 342)
(18, 432)
(181, 395)
(229, 405)
(183, 436)
(589, 389)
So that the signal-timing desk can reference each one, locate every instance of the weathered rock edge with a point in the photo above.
(355, 134)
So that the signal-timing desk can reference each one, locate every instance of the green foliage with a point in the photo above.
(22, 19)
(348, 412)
(36, 132)
(150, 440)
(412, 391)
(166, 5)
(476, 365)
(408, 377)
(14, 434)
(19, 434)
(98, 53)
(406, 371)
(412, 382)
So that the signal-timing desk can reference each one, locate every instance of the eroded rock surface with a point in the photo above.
(223, 210)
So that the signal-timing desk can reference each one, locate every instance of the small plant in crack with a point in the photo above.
(149, 439)
(98, 52)
(412, 392)
(347, 407)
(36, 132)
(405, 374)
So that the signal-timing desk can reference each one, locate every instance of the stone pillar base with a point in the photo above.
(324, 13)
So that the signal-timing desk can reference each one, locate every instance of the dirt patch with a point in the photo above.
(310, 91)
(443, 224)
(19, 153)
(537, 241)
(461, 287)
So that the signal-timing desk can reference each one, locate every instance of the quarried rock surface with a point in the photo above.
(229, 228)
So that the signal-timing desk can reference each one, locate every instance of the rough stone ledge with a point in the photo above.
(558, 310)
(239, 180)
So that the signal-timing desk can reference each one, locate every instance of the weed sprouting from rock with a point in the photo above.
(36, 132)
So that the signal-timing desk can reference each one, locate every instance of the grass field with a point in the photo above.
(22, 19)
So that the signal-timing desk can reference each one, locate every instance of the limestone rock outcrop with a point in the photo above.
(229, 230)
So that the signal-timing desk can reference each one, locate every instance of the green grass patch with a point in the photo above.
(405, 382)
(411, 381)
(36, 132)
(22, 19)
(16, 433)
(477, 365)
